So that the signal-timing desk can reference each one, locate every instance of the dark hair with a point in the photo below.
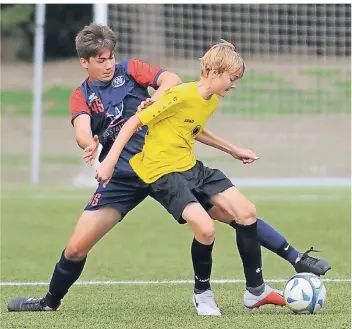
(93, 39)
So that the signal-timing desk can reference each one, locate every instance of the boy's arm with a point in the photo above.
(84, 138)
(165, 81)
(80, 119)
(105, 170)
(208, 138)
(151, 76)
(83, 131)
(125, 134)
(160, 110)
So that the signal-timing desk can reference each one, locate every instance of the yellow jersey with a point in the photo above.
(173, 123)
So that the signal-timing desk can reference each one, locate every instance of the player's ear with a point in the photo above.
(84, 63)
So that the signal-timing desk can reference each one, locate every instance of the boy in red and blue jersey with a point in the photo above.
(109, 104)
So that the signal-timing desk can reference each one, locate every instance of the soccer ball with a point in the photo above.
(305, 293)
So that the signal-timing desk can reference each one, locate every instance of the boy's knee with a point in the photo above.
(75, 253)
(207, 232)
(248, 215)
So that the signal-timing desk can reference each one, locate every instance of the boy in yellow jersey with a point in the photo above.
(184, 186)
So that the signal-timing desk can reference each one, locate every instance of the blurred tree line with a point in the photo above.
(62, 23)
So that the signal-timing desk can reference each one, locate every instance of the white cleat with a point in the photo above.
(269, 296)
(205, 303)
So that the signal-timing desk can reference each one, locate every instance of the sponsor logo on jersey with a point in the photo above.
(92, 97)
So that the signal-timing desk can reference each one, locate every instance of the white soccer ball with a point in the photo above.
(305, 293)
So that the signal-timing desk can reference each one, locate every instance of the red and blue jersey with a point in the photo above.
(111, 104)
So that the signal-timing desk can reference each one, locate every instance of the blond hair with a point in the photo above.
(221, 57)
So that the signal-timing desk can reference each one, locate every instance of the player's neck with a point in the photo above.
(96, 82)
(204, 88)
(93, 79)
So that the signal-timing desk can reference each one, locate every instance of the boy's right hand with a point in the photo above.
(245, 155)
(91, 151)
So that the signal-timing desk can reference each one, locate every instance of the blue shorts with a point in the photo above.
(123, 193)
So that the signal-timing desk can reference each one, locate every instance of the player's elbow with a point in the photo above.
(205, 139)
(170, 79)
(83, 131)
(201, 138)
(175, 78)
(83, 137)
(135, 121)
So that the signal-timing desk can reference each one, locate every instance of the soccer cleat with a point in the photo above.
(23, 304)
(205, 303)
(310, 264)
(269, 296)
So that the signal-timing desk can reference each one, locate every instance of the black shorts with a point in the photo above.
(122, 193)
(176, 190)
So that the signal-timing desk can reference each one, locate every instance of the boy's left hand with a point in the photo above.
(244, 155)
(144, 104)
(104, 172)
(91, 151)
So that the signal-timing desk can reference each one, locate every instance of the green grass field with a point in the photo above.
(149, 245)
(258, 95)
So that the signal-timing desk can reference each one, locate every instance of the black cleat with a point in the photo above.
(310, 264)
(23, 304)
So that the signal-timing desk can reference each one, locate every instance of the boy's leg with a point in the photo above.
(239, 207)
(201, 252)
(212, 186)
(274, 241)
(90, 228)
(105, 209)
(172, 191)
(202, 246)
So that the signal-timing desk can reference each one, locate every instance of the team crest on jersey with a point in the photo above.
(118, 81)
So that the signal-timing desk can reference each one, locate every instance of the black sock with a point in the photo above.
(274, 241)
(202, 264)
(249, 248)
(65, 274)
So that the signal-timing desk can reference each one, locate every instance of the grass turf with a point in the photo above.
(149, 245)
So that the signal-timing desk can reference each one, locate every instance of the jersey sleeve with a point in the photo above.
(78, 104)
(165, 107)
(144, 74)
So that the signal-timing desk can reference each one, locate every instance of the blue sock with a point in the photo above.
(273, 240)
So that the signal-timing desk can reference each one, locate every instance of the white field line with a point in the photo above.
(149, 282)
